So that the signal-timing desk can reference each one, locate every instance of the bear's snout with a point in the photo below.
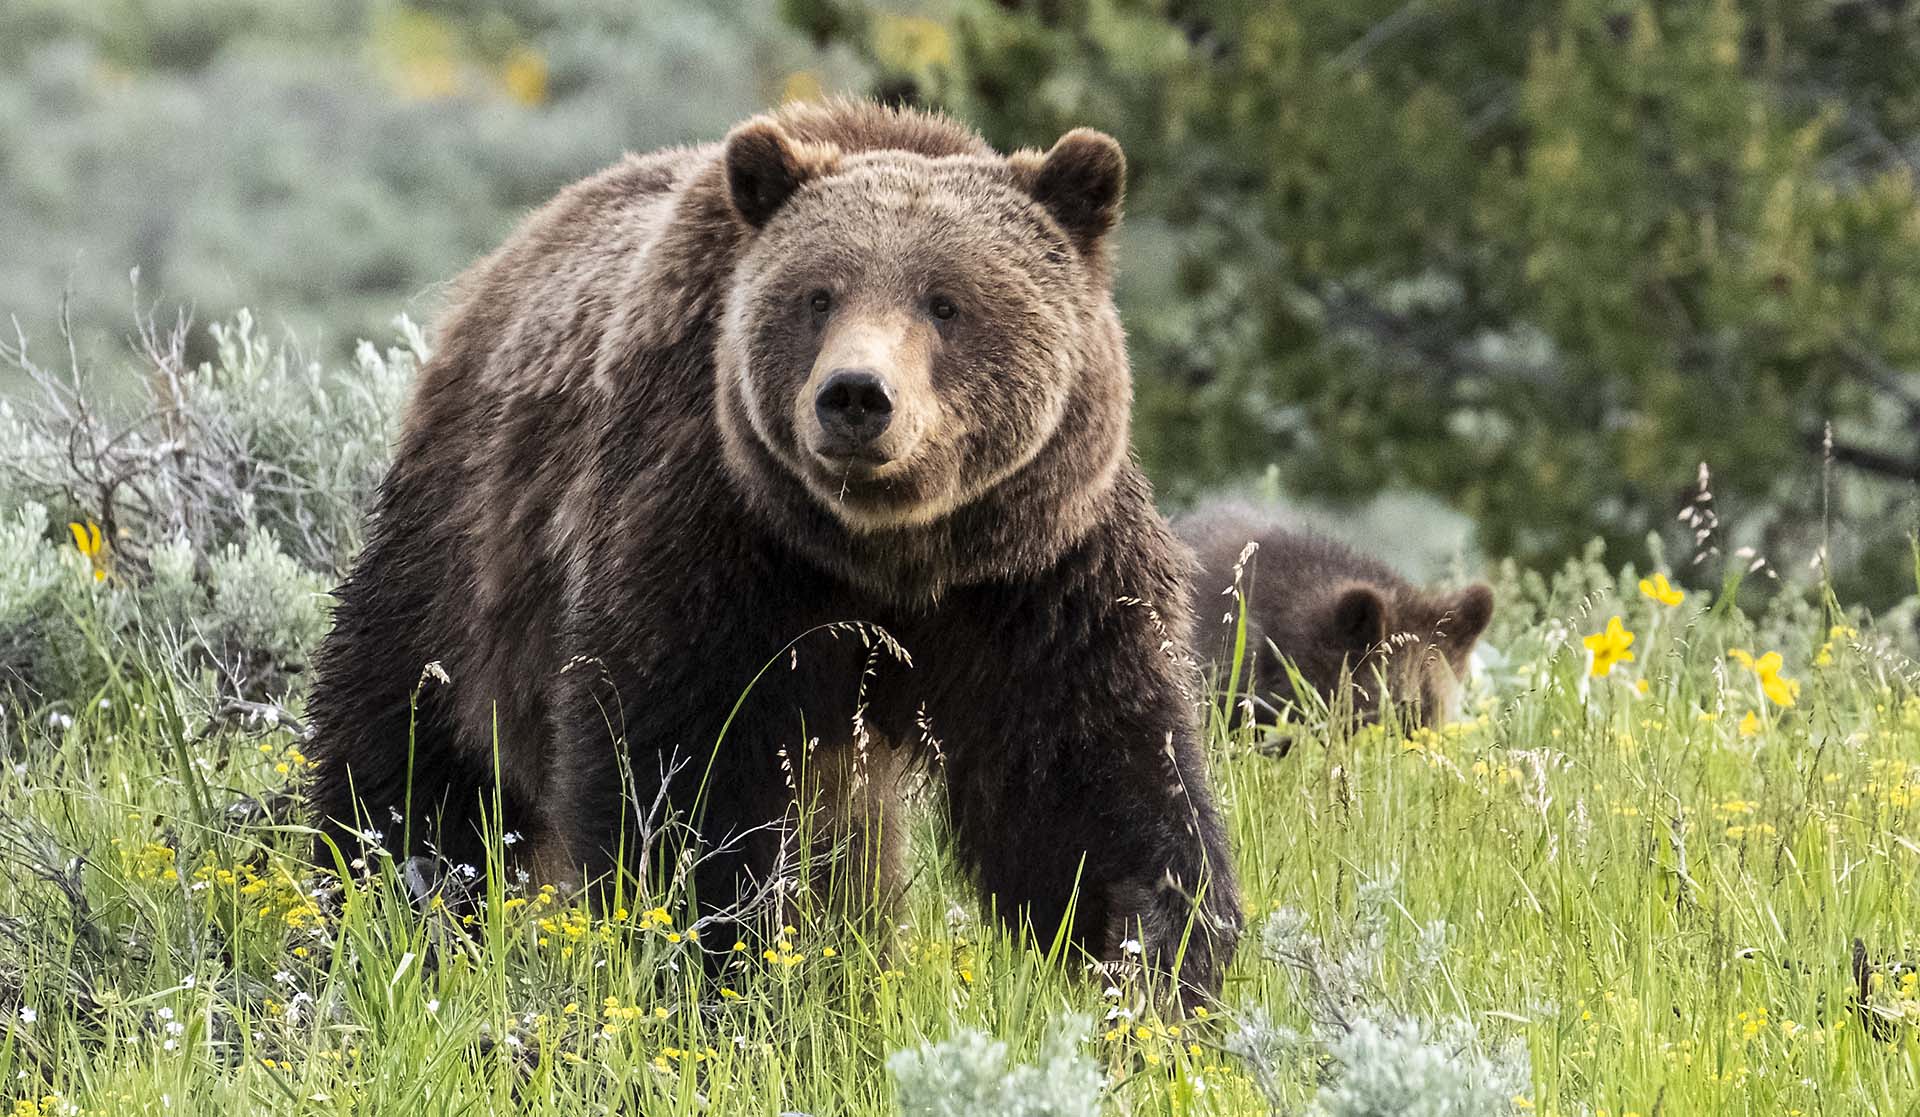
(867, 404)
(854, 407)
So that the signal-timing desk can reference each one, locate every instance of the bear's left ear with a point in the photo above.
(1358, 623)
(764, 168)
(1080, 182)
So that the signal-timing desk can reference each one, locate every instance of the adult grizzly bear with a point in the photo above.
(849, 365)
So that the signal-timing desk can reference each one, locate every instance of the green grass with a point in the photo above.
(1656, 903)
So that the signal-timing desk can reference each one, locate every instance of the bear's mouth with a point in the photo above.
(868, 478)
(860, 463)
(870, 491)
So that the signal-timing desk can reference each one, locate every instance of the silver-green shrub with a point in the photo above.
(1402, 1068)
(1374, 1051)
(275, 153)
(248, 614)
(968, 1075)
(229, 495)
(258, 436)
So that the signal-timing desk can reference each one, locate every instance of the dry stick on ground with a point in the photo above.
(242, 710)
(104, 466)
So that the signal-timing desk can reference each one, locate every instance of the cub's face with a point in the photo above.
(1418, 644)
(904, 332)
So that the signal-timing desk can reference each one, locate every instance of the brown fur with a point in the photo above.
(1345, 620)
(609, 509)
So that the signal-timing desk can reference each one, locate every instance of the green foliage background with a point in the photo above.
(1541, 259)
(1536, 260)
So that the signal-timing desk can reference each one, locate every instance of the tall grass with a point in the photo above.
(1612, 890)
(1637, 892)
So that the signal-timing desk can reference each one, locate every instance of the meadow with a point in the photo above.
(1628, 880)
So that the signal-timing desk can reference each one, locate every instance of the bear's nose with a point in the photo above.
(853, 407)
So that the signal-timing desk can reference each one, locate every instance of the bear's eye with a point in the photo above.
(942, 307)
(820, 301)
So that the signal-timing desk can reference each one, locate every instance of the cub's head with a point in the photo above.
(1344, 621)
(910, 331)
(1415, 641)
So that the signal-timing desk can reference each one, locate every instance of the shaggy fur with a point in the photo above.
(1345, 620)
(609, 509)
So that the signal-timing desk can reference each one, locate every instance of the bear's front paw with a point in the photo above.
(1180, 949)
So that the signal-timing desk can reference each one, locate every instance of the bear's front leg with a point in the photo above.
(674, 752)
(1079, 797)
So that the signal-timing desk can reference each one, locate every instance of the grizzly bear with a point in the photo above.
(804, 449)
(1345, 621)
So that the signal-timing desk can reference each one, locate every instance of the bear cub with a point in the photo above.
(1346, 621)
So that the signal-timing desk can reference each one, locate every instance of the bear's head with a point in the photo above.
(1417, 643)
(922, 342)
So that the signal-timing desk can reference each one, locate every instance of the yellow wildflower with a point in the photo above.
(1661, 590)
(88, 540)
(1610, 647)
(1779, 689)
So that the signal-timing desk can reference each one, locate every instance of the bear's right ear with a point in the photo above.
(1359, 621)
(764, 168)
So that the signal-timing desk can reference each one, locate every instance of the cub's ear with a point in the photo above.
(1080, 182)
(764, 168)
(1359, 620)
(1467, 616)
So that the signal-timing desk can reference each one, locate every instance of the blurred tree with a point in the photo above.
(1540, 258)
